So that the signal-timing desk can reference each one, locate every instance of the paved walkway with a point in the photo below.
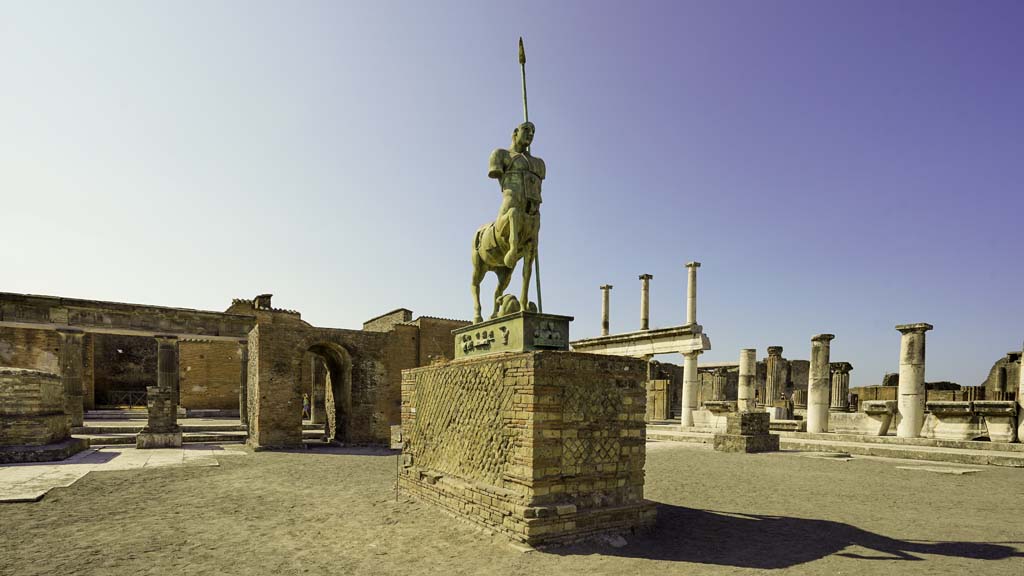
(30, 482)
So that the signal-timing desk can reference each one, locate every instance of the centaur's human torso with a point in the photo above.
(518, 222)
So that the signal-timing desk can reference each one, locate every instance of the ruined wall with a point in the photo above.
(29, 348)
(1004, 375)
(436, 340)
(31, 408)
(209, 373)
(385, 322)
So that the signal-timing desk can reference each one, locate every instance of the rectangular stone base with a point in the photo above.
(519, 332)
(537, 526)
(147, 439)
(747, 444)
(45, 453)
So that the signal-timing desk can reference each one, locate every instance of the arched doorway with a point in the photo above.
(338, 363)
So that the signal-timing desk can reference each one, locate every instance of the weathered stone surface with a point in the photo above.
(746, 444)
(32, 408)
(519, 332)
(42, 453)
(543, 446)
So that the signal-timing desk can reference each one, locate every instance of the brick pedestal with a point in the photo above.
(746, 432)
(545, 447)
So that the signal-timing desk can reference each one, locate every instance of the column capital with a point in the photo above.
(775, 351)
(606, 287)
(70, 331)
(243, 342)
(841, 367)
(919, 328)
(166, 337)
(693, 264)
(646, 277)
(822, 337)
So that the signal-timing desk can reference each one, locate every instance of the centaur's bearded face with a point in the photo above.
(522, 136)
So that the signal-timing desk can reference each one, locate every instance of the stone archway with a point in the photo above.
(339, 389)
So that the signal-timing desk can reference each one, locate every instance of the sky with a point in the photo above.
(837, 167)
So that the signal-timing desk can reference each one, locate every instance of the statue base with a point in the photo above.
(518, 332)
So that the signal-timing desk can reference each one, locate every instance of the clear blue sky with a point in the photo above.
(837, 167)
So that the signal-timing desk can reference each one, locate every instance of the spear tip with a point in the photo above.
(522, 51)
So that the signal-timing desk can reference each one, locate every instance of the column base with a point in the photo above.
(147, 439)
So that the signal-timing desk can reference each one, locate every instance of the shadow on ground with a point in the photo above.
(769, 542)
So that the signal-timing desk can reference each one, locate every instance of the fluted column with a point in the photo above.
(645, 302)
(243, 382)
(745, 388)
(775, 379)
(70, 358)
(840, 387)
(719, 380)
(690, 384)
(691, 292)
(818, 384)
(605, 291)
(911, 387)
(162, 430)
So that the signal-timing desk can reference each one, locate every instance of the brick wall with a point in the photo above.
(385, 322)
(31, 408)
(29, 348)
(209, 374)
(436, 340)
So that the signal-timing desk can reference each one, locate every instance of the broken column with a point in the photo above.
(691, 292)
(243, 384)
(911, 393)
(818, 384)
(745, 388)
(840, 387)
(71, 373)
(690, 384)
(645, 286)
(605, 290)
(162, 430)
(776, 377)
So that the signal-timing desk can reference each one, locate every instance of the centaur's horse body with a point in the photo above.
(513, 236)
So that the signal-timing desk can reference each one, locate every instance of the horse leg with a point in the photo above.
(504, 279)
(524, 301)
(512, 255)
(479, 270)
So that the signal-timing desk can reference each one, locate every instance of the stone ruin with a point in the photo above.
(34, 425)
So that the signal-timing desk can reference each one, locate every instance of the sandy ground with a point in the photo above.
(335, 513)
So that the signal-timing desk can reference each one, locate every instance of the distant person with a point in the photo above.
(305, 406)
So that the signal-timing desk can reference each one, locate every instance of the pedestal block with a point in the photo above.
(34, 426)
(953, 420)
(720, 410)
(519, 332)
(544, 446)
(1000, 419)
(162, 431)
(746, 432)
(881, 413)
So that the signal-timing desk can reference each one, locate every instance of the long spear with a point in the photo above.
(536, 240)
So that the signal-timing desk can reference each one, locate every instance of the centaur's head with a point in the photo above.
(522, 136)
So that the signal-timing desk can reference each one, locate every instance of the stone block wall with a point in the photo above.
(209, 374)
(31, 408)
(385, 322)
(541, 446)
(29, 348)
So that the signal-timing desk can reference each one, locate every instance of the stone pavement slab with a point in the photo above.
(30, 482)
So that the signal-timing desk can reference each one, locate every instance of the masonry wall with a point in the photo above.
(209, 374)
(541, 446)
(436, 340)
(29, 348)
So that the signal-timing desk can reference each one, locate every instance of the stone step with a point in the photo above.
(930, 453)
(186, 437)
(136, 428)
(894, 441)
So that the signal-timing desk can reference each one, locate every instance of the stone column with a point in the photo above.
(645, 285)
(840, 387)
(691, 292)
(776, 377)
(911, 386)
(690, 383)
(318, 400)
(243, 384)
(719, 380)
(745, 388)
(605, 290)
(818, 384)
(70, 355)
(162, 430)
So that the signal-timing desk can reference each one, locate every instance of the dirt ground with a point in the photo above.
(316, 513)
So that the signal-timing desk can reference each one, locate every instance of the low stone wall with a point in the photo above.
(544, 447)
(31, 408)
